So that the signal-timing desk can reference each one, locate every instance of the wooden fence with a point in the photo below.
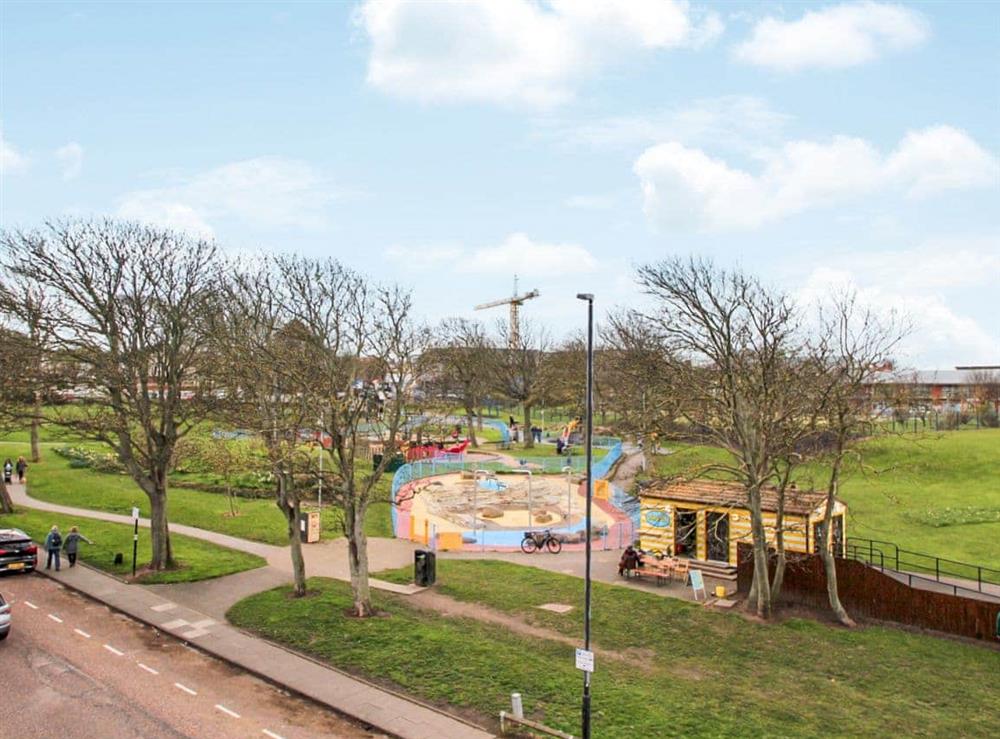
(866, 592)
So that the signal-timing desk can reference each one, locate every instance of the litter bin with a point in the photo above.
(309, 527)
(424, 568)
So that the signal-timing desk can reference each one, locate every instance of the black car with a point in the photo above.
(18, 552)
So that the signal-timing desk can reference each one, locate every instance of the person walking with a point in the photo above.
(21, 467)
(8, 470)
(53, 542)
(72, 544)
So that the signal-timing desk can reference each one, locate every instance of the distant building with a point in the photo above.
(958, 390)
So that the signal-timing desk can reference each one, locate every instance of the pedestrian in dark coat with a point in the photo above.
(53, 542)
(8, 470)
(21, 467)
(72, 543)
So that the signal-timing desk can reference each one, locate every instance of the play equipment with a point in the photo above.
(569, 433)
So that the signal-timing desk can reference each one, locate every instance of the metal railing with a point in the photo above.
(888, 556)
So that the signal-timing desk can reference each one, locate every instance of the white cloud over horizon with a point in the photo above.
(685, 187)
(517, 51)
(834, 37)
(11, 160)
(517, 254)
(264, 191)
(70, 157)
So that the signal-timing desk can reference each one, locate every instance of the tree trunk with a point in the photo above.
(779, 545)
(760, 571)
(472, 430)
(826, 551)
(292, 510)
(36, 448)
(6, 504)
(357, 556)
(159, 533)
(830, 567)
(529, 440)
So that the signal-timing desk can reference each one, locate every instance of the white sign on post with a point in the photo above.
(697, 583)
(135, 512)
(584, 660)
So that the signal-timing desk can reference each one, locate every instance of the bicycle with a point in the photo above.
(534, 541)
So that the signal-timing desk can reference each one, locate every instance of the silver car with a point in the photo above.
(4, 618)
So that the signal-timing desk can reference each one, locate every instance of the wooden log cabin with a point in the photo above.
(704, 520)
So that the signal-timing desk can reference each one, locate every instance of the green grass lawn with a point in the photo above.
(55, 481)
(937, 493)
(681, 670)
(197, 560)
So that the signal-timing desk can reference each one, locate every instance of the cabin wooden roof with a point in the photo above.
(732, 495)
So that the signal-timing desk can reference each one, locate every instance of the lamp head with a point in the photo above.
(589, 297)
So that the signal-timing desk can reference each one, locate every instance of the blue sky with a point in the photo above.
(447, 146)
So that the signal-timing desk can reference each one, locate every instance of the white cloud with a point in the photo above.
(940, 336)
(833, 37)
(740, 121)
(515, 51)
(71, 158)
(684, 186)
(517, 254)
(266, 191)
(941, 158)
(11, 160)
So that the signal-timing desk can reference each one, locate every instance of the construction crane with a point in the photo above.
(515, 302)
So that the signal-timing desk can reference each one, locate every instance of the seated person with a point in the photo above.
(630, 560)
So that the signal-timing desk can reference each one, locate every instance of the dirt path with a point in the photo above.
(627, 470)
(445, 605)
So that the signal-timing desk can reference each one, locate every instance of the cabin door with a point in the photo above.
(717, 535)
(686, 533)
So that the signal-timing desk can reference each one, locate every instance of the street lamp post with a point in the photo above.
(590, 496)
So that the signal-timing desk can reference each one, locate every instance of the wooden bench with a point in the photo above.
(661, 573)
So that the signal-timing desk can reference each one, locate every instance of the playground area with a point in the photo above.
(470, 509)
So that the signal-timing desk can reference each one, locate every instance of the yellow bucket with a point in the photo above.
(720, 591)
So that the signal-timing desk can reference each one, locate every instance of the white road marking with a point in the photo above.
(185, 688)
(226, 710)
(84, 634)
(273, 735)
(56, 619)
(30, 604)
(113, 650)
(149, 669)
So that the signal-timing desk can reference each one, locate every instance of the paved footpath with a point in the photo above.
(381, 709)
(161, 606)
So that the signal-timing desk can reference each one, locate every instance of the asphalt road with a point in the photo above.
(73, 668)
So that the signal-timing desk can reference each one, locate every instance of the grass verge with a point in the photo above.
(197, 560)
(670, 667)
(55, 481)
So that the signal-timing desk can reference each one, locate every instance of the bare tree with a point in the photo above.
(644, 396)
(853, 347)
(364, 366)
(459, 361)
(266, 365)
(28, 304)
(519, 370)
(127, 305)
(731, 346)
